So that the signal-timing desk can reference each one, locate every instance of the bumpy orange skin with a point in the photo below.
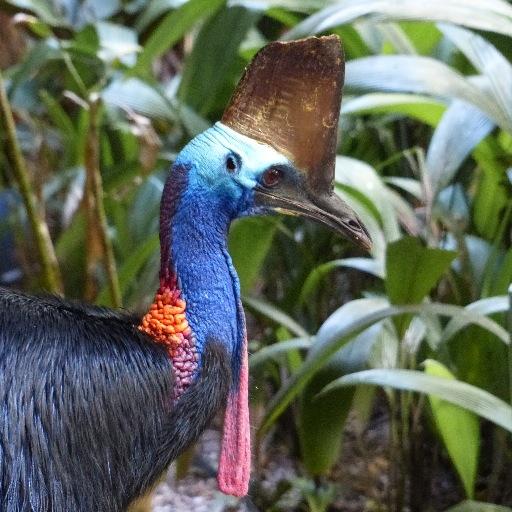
(166, 322)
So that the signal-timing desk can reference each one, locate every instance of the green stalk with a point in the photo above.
(96, 216)
(50, 267)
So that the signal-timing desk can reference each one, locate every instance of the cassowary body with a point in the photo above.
(96, 403)
(87, 423)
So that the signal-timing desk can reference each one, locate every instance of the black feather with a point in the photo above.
(86, 419)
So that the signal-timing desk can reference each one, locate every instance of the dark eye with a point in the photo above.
(271, 177)
(231, 163)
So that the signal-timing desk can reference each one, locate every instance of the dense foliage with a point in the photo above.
(104, 93)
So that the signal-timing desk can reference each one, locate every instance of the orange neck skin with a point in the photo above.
(166, 322)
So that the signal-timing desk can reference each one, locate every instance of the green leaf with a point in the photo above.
(339, 328)
(208, 73)
(489, 62)
(317, 275)
(412, 270)
(477, 506)
(363, 178)
(486, 306)
(491, 15)
(134, 94)
(322, 419)
(420, 75)
(461, 128)
(155, 9)
(42, 9)
(459, 430)
(459, 393)
(249, 242)
(117, 42)
(425, 109)
(173, 27)
(131, 267)
(275, 351)
(276, 315)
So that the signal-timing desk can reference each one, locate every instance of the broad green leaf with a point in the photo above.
(459, 393)
(420, 75)
(276, 315)
(173, 27)
(425, 109)
(477, 506)
(458, 428)
(491, 15)
(339, 328)
(210, 68)
(249, 242)
(412, 270)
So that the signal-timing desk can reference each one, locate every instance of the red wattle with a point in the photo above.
(235, 455)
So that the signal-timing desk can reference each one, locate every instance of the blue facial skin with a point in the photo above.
(224, 167)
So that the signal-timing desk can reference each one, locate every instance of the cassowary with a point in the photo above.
(96, 403)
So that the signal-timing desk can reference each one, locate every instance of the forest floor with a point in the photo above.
(362, 479)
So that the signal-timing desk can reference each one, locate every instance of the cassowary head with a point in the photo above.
(274, 149)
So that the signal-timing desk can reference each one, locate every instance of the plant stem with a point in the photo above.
(50, 267)
(99, 241)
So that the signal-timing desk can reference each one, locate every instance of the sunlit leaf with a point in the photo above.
(339, 328)
(426, 109)
(492, 15)
(458, 428)
(136, 95)
(421, 75)
(459, 393)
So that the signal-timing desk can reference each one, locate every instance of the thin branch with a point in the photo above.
(99, 243)
(35, 212)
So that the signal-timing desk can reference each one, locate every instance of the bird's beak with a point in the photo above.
(326, 209)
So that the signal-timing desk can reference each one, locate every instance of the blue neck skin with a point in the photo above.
(206, 198)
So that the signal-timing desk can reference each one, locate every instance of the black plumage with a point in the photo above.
(86, 418)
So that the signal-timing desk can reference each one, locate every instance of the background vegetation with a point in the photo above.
(98, 96)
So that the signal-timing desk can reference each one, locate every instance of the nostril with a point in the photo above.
(354, 224)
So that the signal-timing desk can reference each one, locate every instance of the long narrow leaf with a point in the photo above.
(421, 75)
(489, 62)
(491, 15)
(486, 306)
(334, 334)
(276, 315)
(278, 349)
(459, 393)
